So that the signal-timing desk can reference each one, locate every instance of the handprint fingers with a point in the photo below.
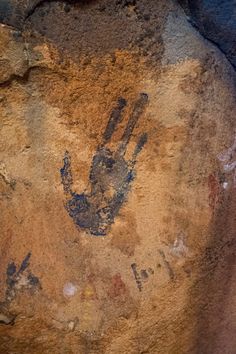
(66, 174)
(114, 120)
(140, 144)
(135, 115)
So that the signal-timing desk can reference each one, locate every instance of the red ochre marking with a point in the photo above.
(118, 287)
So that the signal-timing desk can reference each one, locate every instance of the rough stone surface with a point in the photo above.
(216, 20)
(117, 181)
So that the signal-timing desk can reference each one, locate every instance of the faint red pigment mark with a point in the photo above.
(214, 191)
(117, 288)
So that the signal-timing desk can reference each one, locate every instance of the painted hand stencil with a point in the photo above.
(110, 175)
(228, 158)
(17, 279)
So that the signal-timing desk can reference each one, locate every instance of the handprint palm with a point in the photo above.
(110, 175)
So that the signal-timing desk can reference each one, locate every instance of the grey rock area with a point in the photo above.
(216, 20)
(182, 41)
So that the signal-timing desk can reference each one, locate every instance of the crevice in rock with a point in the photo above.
(195, 26)
(23, 79)
(34, 8)
(7, 318)
(19, 78)
(185, 6)
(6, 178)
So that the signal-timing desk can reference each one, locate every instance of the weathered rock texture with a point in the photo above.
(117, 181)
(216, 20)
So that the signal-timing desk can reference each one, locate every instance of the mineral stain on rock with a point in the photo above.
(110, 175)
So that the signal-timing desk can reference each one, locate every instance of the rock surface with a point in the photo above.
(216, 20)
(117, 181)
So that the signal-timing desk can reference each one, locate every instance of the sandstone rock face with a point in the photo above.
(117, 181)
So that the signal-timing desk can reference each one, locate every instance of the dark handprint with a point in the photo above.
(110, 175)
(17, 279)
